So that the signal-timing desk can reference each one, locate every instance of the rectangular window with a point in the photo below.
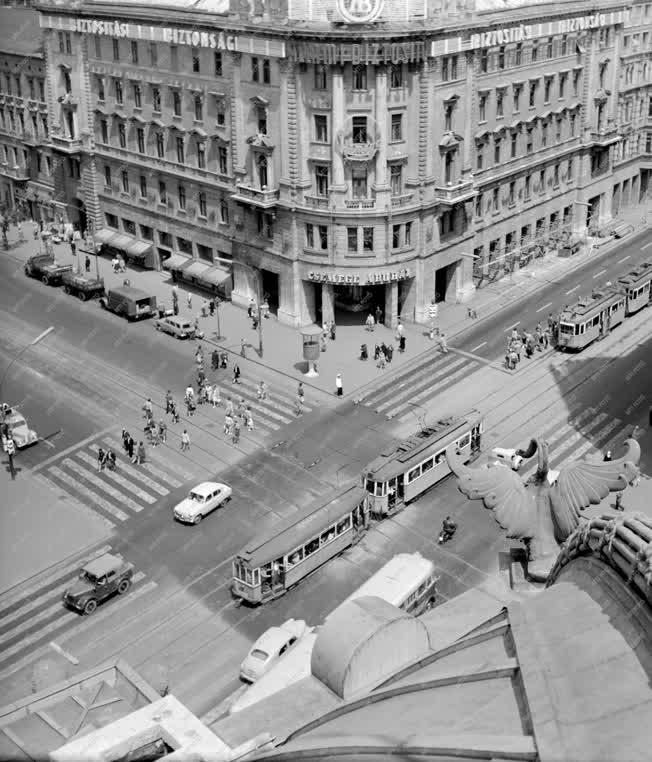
(156, 99)
(547, 89)
(125, 181)
(359, 129)
(549, 47)
(542, 181)
(359, 182)
(396, 76)
(321, 180)
(202, 204)
(267, 77)
(535, 51)
(571, 170)
(500, 97)
(122, 135)
(495, 200)
(134, 51)
(321, 128)
(396, 236)
(497, 144)
(563, 78)
(174, 58)
(555, 176)
(572, 124)
(262, 120)
(146, 232)
(41, 90)
(98, 46)
(516, 94)
(564, 45)
(533, 94)
(160, 145)
(518, 54)
(107, 175)
(320, 76)
(501, 57)
(68, 43)
(195, 61)
(396, 179)
(62, 48)
(201, 155)
(484, 61)
(222, 160)
(408, 234)
(116, 49)
(511, 198)
(118, 92)
(111, 220)
(104, 129)
(153, 55)
(140, 136)
(176, 102)
(397, 127)
(360, 77)
(514, 145)
(221, 118)
(181, 191)
(180, 151)
(367, 239)
(224, 213)
(255, 70)
(352, 240)
(558, 130)
(100, 89)
(217, 63)
(143, 186)
(138, 96)
(577, 75)
(448, 117)
(184, 245)
(482, 108)
(199, 108)
(323, 237)
(478, 204)
(310, 236)
(544, 134)
(480, 157)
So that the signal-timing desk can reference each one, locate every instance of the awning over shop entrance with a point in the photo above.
(138, 249)
(195, 269)
(215, 276)
(103, 235)
(130, 245)
(176, 262)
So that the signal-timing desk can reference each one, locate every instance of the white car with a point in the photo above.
(269, 647)
(17, 426)
(507, 457)
(201, 500)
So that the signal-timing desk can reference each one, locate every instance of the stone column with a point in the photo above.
(338, 117)
(468, 105)
(237, 126)
(327, 302)
(382, 188)
(288, 121)
(391, 304)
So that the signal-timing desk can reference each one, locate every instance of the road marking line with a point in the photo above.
(647, 245)
(478, 347)
(598, 274)
(131, 488)
(416, 376)
(511, 327)
(545, 306)
(94, 479)
(47, 443)
(72, 448)
(624, 258)
(87, 493)
(35, 601)
(572, 289)
(63, 653)
(136, 474)
(154, 454)
(396, 400)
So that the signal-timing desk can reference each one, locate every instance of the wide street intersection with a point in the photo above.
(89, 379)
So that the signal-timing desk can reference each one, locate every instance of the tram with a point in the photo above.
(636, 285)
(591, 318)
(407, 469)
(282, 556)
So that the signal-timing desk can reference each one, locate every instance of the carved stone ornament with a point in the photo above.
(319, 102)
(360, 152)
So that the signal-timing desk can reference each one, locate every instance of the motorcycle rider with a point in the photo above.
(448, 528)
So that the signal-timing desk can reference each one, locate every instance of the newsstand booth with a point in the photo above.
(133, 251)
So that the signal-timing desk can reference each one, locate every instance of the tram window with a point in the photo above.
(595, 320)
(371, 486)
(344, 524)
(464, 441)
(427, 465)
(256, 576)
(311, 547)
(440, 456)
(295, 558)
(327, 536)
(249, 577)
(566, 328)
(414, 473)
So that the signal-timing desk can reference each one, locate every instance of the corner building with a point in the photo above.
(344, 155)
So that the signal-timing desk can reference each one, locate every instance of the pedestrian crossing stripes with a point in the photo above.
(574, 438)
(417, 384)
(34, 614)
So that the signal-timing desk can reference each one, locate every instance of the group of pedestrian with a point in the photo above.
(135, 454)
(106, 459)
(383, 354)
(528, 342)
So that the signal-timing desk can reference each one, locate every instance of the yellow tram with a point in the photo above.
(636, 285)
(408, 468)
(591, 318)
(279, 558)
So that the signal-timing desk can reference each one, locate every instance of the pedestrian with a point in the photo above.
(130, 447)
(332, 330)
(73, 248)
(211, 307)
(376, 353)
(148, 408)
(140, 455)
(229, 406)
(379, 315)
(443, 344)
(338, 382)
(390, 353)
(236, 431)
(322, 343)
(175, 307)
(101, 458)
(216, 397)
(185, 441)
(401, 344)
(243, 348)
(190, 392)
(250, 419)
(607, 456)
(124, 436)
(189, 300)
(399, 331)
(228, 424)
(546, 337)
(381, 360)
(262, 391)
(551, 321)
(370, 322)
(21, 233)
(514, 334)
(110, 459)
(88, 264)
(251, 308)
(300, 393)
(517, 347)
(174, 412)
(236, 374)
(162, 431)
(168, 401)
(208, 393)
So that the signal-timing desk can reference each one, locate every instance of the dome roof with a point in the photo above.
(363, 642)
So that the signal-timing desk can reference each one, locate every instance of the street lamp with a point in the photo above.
(35, 341)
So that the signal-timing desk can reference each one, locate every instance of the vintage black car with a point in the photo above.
(98, 580)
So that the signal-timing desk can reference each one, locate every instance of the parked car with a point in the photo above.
(17, 427)
(508, 457)
(82, 286)
(46, 268)
(201, 500)
(177, 326)
(269, 647)
(129, 302)
(98, 580)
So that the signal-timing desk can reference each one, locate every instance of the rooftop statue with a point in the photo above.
(542, 510)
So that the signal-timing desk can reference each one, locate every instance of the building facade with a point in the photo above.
(27, 163)
(348, 155)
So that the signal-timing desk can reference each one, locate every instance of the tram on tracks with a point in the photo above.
(593, 317)
(408, 468)
(280, 557)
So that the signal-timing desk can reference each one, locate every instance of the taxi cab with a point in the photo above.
(177, 326)
(17, 427)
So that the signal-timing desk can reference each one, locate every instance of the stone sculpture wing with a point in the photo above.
(585, 482)
(500, 489)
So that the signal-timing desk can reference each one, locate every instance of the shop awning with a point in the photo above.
(196, 269)
(176, 262)
(215, 276)
(103, 235)
(120, 241)
(138, 249)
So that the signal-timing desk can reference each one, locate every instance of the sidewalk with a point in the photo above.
(282, 344)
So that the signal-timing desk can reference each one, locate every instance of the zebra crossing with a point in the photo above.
(33, 614)
(572, 438)
(417, 384)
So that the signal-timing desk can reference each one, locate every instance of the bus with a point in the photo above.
(591, 318)
(408, 581)
(636, 285)
(408, 468)
(282, 556)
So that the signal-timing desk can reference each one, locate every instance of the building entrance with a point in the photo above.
(354, 303)
(444, 276)
(593, 212)
(270, 290)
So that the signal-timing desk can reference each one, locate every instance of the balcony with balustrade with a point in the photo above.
(604, 136)
(263, 198)
(455, 193)
(15, 172)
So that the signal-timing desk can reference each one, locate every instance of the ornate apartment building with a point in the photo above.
(27, 163)
(349, 153)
